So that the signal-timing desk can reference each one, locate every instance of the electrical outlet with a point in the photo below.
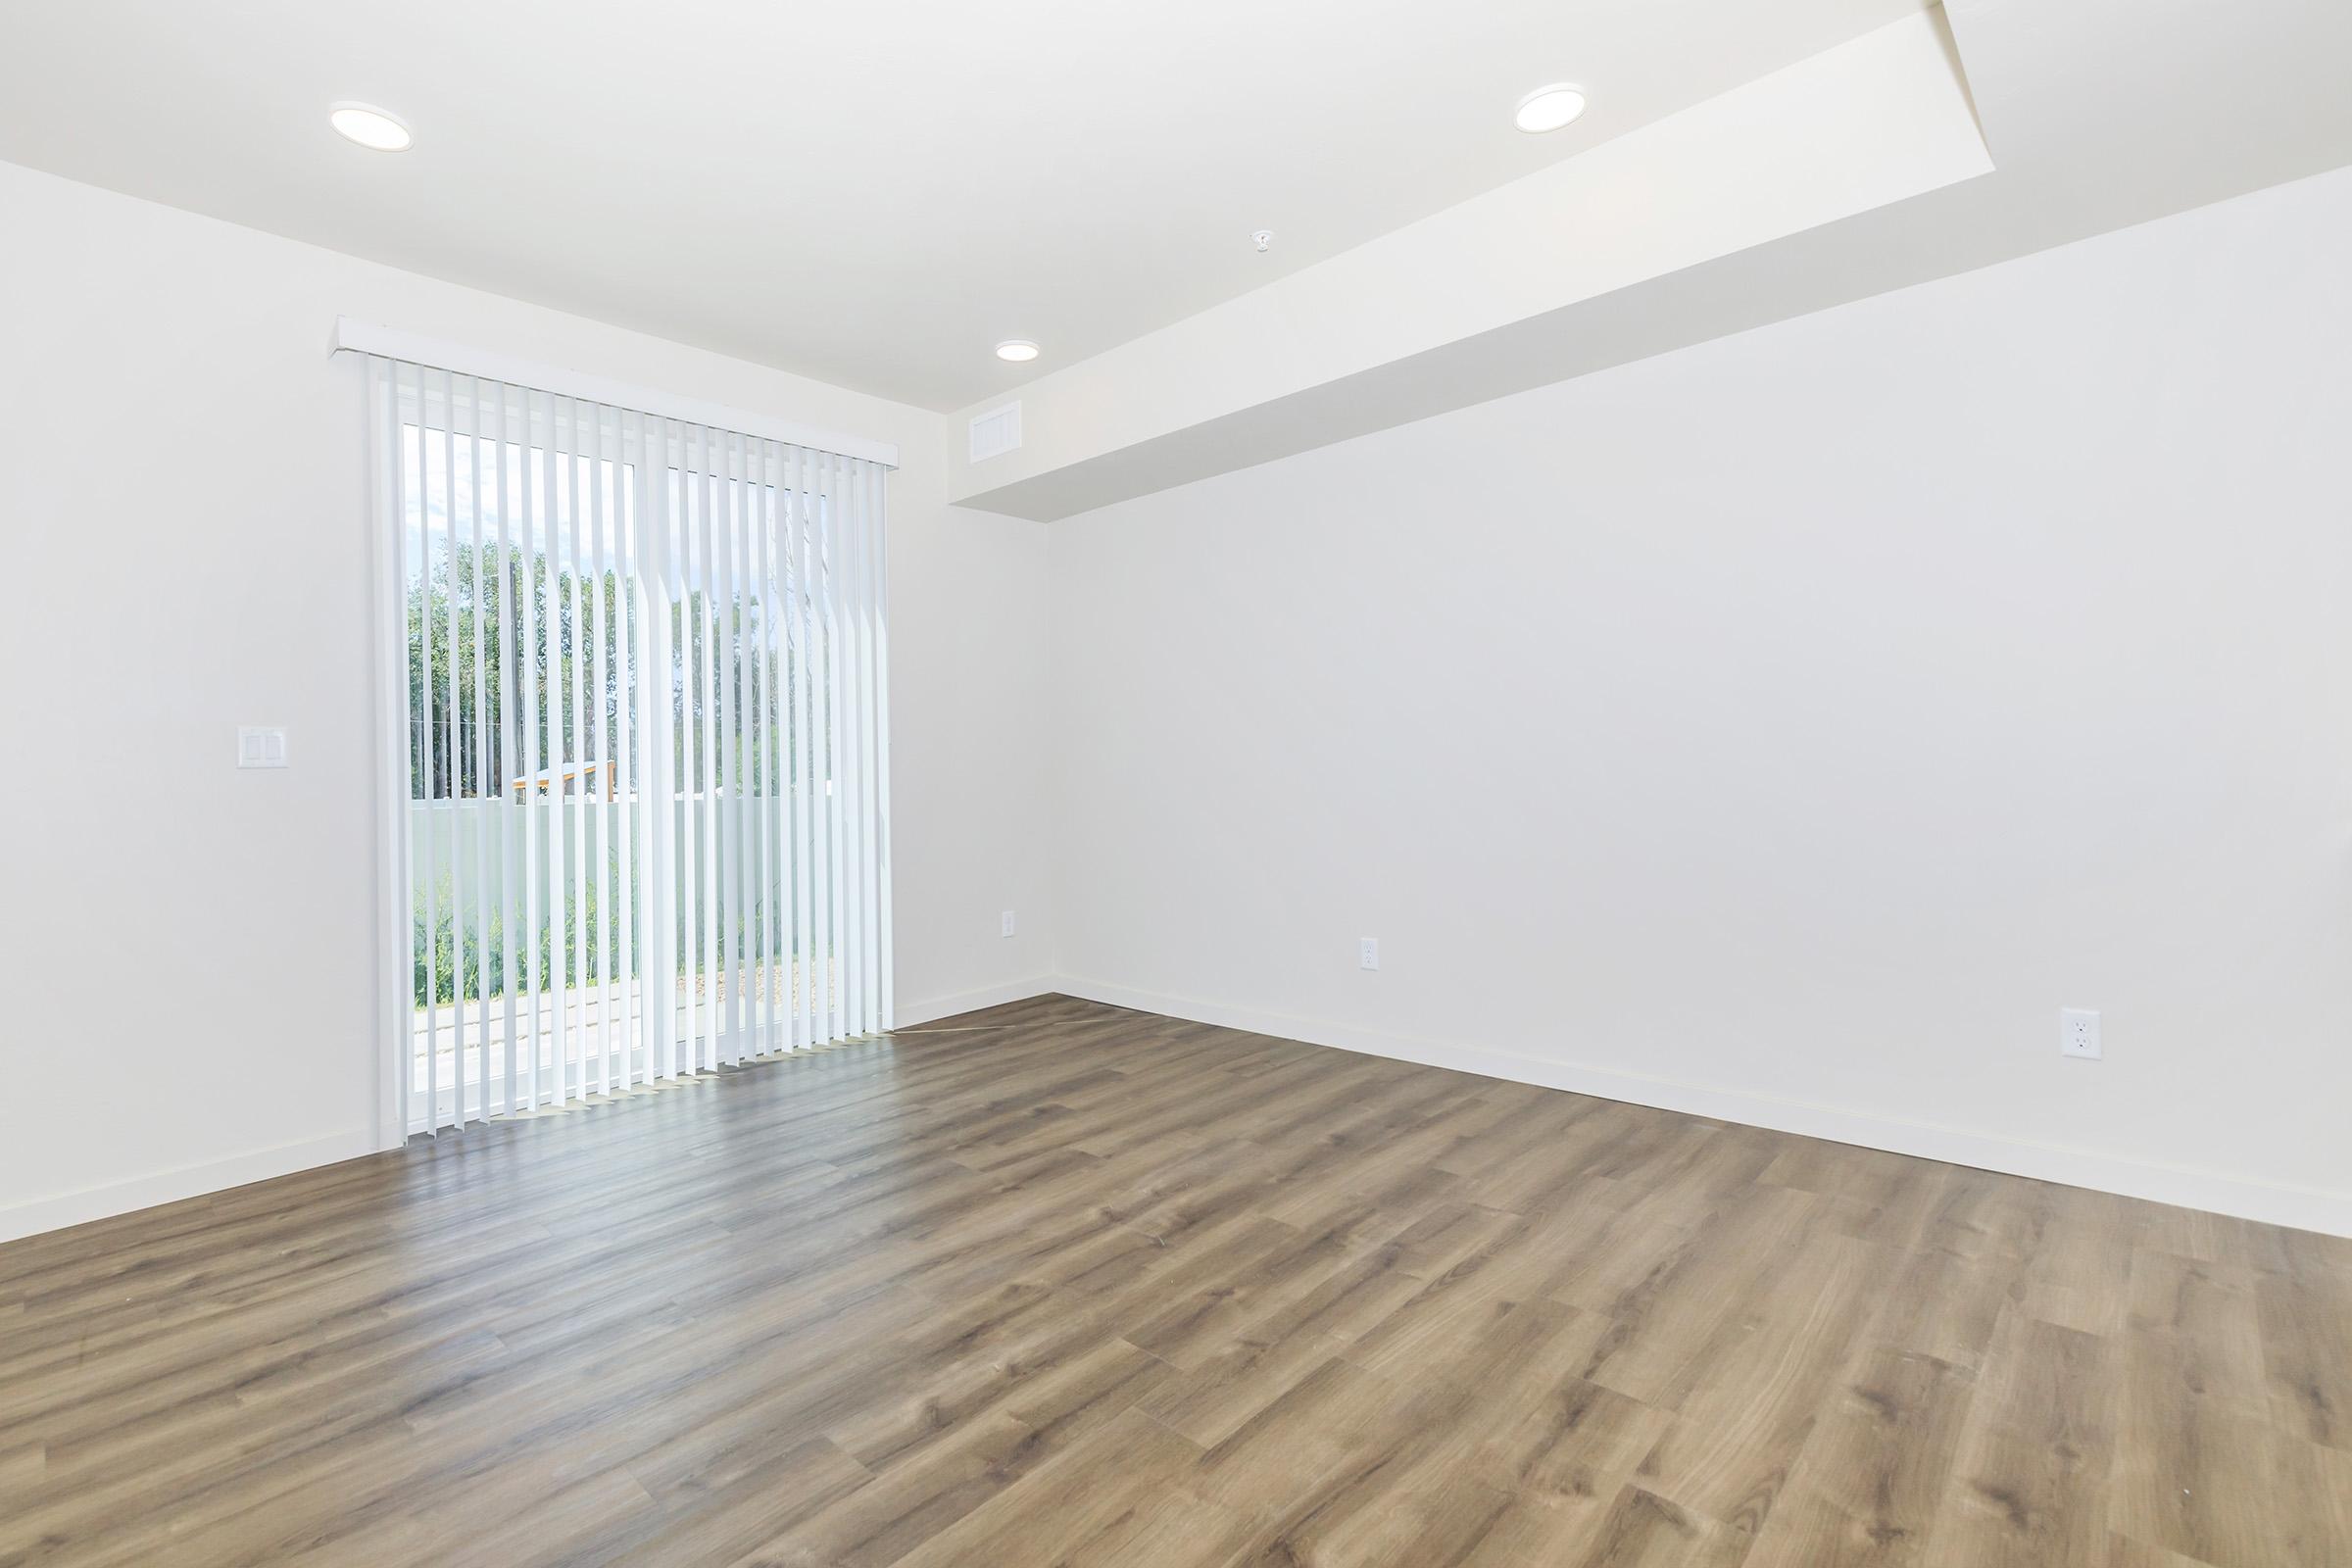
(2079, 1033)
(1008, 924)
(1367, 952)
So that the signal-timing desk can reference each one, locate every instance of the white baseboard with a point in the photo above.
(910, 1014)
(185, 1181)
(2303, 1207)
(41, 1215)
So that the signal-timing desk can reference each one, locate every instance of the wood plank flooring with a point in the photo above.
(1083, 1286)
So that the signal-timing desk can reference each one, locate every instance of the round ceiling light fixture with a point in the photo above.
(369, 127)
(1550, 108)
(1017, 351)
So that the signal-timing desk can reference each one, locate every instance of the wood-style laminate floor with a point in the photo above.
(1090, 1285)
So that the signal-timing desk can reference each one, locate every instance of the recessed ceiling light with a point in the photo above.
(1550, 108)
(1017, 351)
(369, 127)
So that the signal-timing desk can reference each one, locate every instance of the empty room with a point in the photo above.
(1537, 784)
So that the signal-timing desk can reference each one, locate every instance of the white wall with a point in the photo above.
(1782, 728)
(1787, 727)
(185, 948)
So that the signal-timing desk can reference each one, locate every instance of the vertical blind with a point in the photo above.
(637, 727)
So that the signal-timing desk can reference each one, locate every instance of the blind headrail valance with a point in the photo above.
(391, 343)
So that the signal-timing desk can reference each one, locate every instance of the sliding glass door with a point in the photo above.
(639, 718)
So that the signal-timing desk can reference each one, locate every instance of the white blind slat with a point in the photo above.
(690, 849)
(705, 801)
(429, 742)
(755, 602)
(861, 719)
(526, 663)
(574, 785)
(550, 783)
(837, 794)
(878, 526)
(598, 796)
(738, 754)
(451, 760)
(852, 782)
(624, 762)
(804, 819)
(480, 758)
(396, 560)
(655, 739)
(502, 757)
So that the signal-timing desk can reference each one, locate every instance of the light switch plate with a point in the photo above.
(261, 745)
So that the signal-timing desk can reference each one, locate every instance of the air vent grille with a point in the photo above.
(996, 433)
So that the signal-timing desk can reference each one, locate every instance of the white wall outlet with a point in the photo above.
(1006, 925)
(1367, 952)
(259, 746)
(2079, 1033)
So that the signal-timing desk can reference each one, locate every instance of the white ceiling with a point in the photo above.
(2095, 114)
(871, 193)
